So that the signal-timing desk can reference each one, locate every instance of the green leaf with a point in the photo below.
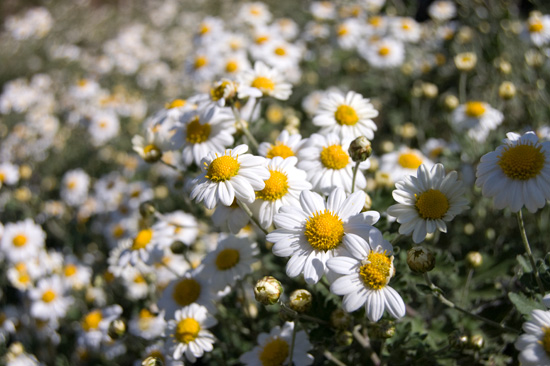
(424, 288)
(524, 263)
(523, 304)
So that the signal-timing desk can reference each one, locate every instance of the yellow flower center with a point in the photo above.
(139, 279)
(275, 187)
(187, 330)
(384, 51)
(197, 132)
(405, 25)
(280, 51)
(231, 66)
(342, 30)
(71, 184)
(346, 115)
(223, 168)
(91, 321)
(82, 82)
(334, 157)
(19, 240)
(324, 230)
(266, 85)
(118, 231)
(142, 239)
(475, 109)
(377, 272)
(522, 162)
(2, 177)
(147, 149)
(545, 341)
(200, 61)
(186, 291)
(176, 103)
(70, 270)
(262, 39)
(279, 150)
(536, 26)
(218, 92)
(204, 28)
(409, 160)
(48, 296)
(375, 21)
(274, 353)
(432, 204)
(227, 258)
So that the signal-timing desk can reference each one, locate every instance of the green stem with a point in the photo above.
(251, 215)
(462, 87)
(364, 341)
(292, 343)
(467, 285)
(529, 253)
(355, 169)
(245, 129)
(331, 357)
(170, 165)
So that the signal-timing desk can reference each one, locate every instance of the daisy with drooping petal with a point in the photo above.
(285, 145)
(405, 161)
(477, 118)
(314, 232)
(348, 116)
(274, 348)
(364, 272)
(231, 175)
(269, 81)
(517, 173)
(534, 344)
(189, 334)
(426, 201)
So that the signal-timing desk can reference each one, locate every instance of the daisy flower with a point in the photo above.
(74, 187)
(534, 344)
(348, 116)
(147, 325)
(278, 53)
(384, 53)
(403, 162)
(48, 299)
(188, 333)
(151, 147)
(538, 27)
(76, 275)
(323, 9)
(230, 218)
(442, 10)
(269, 81)
(282, 188)
(313, 233)
(477, 118)
(178, 226)
(103, 127)
(234, 63)
(364, 272)
(231, 175)
(285, 145)
(145, 248)
(22, 240)
(9, 174)
(405, 29)
(274, 348)
(255, 13)
(517, 173)
(426, 201)
(348, 33)
(95, 326)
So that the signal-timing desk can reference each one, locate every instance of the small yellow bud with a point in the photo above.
(300, 300)
(474, 259)
(420, 259)
(465, 61)
(268, 290)
(507, 90)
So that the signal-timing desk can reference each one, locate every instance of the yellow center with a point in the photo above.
(275, 187)
(432, 204)
(522, 162)
(274, 353)
(186, 292)
(409, 160)
(147, 149)
(384, 51)
(223, 168)
(280, 51)
(71, 184)
(280, 150)
(334, 157)
(196, 132)
(342, 30)
(324, 230)
(142, 239)
(475, 109)
(231, 66)
(262, 39)
(70, 270)
(218, 92)
(200, 61)
(2, 177)
(48, 296)
(187, 330)
(139, 279)
(176, 103)
(266, 85)
(346, 115)
(545, 341)
(405, 25)
(91, 321)
(377, 272)
(204, 28)
(118, 231)
(536, 26)
(19, 240)
(375, 21)
(227, 258)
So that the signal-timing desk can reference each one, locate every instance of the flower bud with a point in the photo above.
(430, 90)
(451, 102)
(146, 209)
(268, 290)
(465, 61)
(474, 259)
(344, 338)
(117, 329)
(476, 342)
(384, 329)
(152, 361)
(360, 149)
(420, 259)
(151, 154)
(300, 300)
(178, 247)
(457, 340)
(340, 319)
(507, 90)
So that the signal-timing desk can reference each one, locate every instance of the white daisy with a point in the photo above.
(534, 344)
(230, 218)
(323, 9)
(74, 187)
(103, 126)
(231, 175)
(255, 13)
(405, 29)
(348, 116)
(95, 326)
(384, 53)
(22, 240)
(49, 301)
(144, 249)
(234, 63)
(349, 33)
(364, 273)
(188, 332)
(426, 201)
(538, 27)
(269, 81)
(403, 162)
(76, 275)
(517, 173)
(442, 10)
(477, 118)
(314, 232)
(147, 325)
(278, 53)
(178, 226)
(9, 174)
(285, 145)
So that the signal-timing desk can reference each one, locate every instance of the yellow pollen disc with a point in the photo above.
(384, 51)
(475, 109)
(187, 330)
(223, 168)
(255, 11)
(432, 204)
(118, 231)
(280, 51)
(82, 82)
(2, 177)
(545, 341)
(70, 270)
(91, 321)
(274, 353)
(342, 30)
(48, 296)
(103, 124)
(139, 279)
(375, 21)
(536, 27)
(200, 61)
(20, 240)
(409, 160)
(405, 25)
(227, 258)
(377, 272)
(522, 162)
(24, 278)
(71, 184)
(176, 103)
(275, 187)
(186, 291)
(197, 132)
(142, 239)
(204, 28)
(218, 92)
(334, 157)
(266, 85)
(147, 149)
(231, 66)
(144, 313)
(262, 39)
(346, 115)
(324, 230)
(279, 150)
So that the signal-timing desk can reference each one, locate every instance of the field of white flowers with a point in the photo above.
(359, 182)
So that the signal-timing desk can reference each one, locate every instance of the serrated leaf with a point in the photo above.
(523, 304)
(524, 263)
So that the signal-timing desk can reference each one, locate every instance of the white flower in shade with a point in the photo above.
(49, 301)
(230, 262)
(322, 9)
(426, 201)
(274, 348)
(348, 116)
(538, 27)
(147, 325)
(349, 33)
(364, 273)
(151, 147)
(282, 188)
(231, 175)
(103, 127)
(285, 145)
(278, 53)
(188, 333)
(269, 81)
(328, 164)
(403, 162)
(144, 249)
(9, 174)
(74, 187)
(314, 232)
(534, 344)
(477, 118)
(22, 240)
(517, 173)
(136, 283)
(234, 63)
(384, 53)
(442, 10)
(178, 226)
(405, 29)
(95, 326)
(76, 275)
(230, 218)
(255, 13)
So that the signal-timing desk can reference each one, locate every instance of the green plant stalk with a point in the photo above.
(245, 129)
(462, 87)
(529, 253)
(251, 215)
(355, 169)
(292, 343)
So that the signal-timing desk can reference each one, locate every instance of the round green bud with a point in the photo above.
(268, 290)
(300, 300)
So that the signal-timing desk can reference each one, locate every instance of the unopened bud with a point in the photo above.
(146, 209)
(430, 90)
(152, 154)
(117, 329)
(360, 149)
(457, 340)
(465, 61)
(178, 247)
(384, 329)
(507, 90)
(344, 338)
(420, 259)
(477, 342)
(474, 259)
(451, 102)
(268, 290)
(340, 319)
(152, 361)
(300, 300)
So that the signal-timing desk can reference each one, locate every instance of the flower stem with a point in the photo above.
(528, 251)
(462, 87)
(170, 165)
(292, 343)
(244, 128)
(251, 215)
(355, 169)
(364, 341)
(331, 357)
